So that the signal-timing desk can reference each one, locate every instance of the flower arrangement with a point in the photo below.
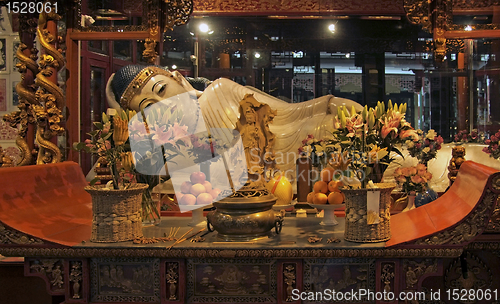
(492, 148)
(413, 179)
(369, 137)
(108, 142)
(317, 149)
(464, 136)
(136, 148)
(205, 148)
(425, 147)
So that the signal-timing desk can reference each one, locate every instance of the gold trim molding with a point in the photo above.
(237, 253)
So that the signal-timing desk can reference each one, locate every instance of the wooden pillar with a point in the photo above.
(23, 119)
(49, 97)
(27, 37)
(495, 77)
(462, 95)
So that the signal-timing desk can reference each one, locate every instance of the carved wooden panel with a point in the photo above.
(339, 274)
(125, 280)
(77, 279)
(50, 270)
(229, 281)
(296, 7)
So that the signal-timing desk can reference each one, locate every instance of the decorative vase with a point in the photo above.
(116, 213)
(357, 228)
(425, 197)
(151, 211)
(411, 203)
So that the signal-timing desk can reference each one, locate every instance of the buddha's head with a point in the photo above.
(136, 87)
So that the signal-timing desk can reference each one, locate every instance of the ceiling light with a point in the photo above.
(331, 27)
(203, 27)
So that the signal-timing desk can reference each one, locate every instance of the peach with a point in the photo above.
(327, 174)
(188, 199)
(215, 192)
(320, 187)
(197, 189)
(207, 185)
(204, 199)
(197, 177)
(186, 187)
(320, 198)
(178, 196)
(336, 198)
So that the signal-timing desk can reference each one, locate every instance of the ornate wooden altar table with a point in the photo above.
(265, 271)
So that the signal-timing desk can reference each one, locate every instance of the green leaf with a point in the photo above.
(105, 118)
(95, 180)
(98, 125)
(78, 146)
(107, 136)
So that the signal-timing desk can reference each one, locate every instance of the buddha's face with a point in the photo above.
(159, 87)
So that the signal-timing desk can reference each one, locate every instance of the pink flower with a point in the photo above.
(418, 145)
(89, 144)
(487, 141)
(486, 150)
(494, 138)
(137, 130)
(408, 133)
(106, 128)
(401, 179)
(405, 171)
(439, 139)
(413, 170)
(494, 147)
(417, 179)
(421, 167)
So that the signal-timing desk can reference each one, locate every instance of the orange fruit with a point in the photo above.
(320, 198)
(335, 198)
(310, 197)
(334, 185)
(320, 186)
(327, 174)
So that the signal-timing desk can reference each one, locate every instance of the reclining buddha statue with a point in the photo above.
(136, 87)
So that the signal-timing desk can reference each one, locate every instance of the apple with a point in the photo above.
(186, 187)
(215, 192)
(197, 177)
(188, 199)
(207, 185)
(197, 189)
(204, 199)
